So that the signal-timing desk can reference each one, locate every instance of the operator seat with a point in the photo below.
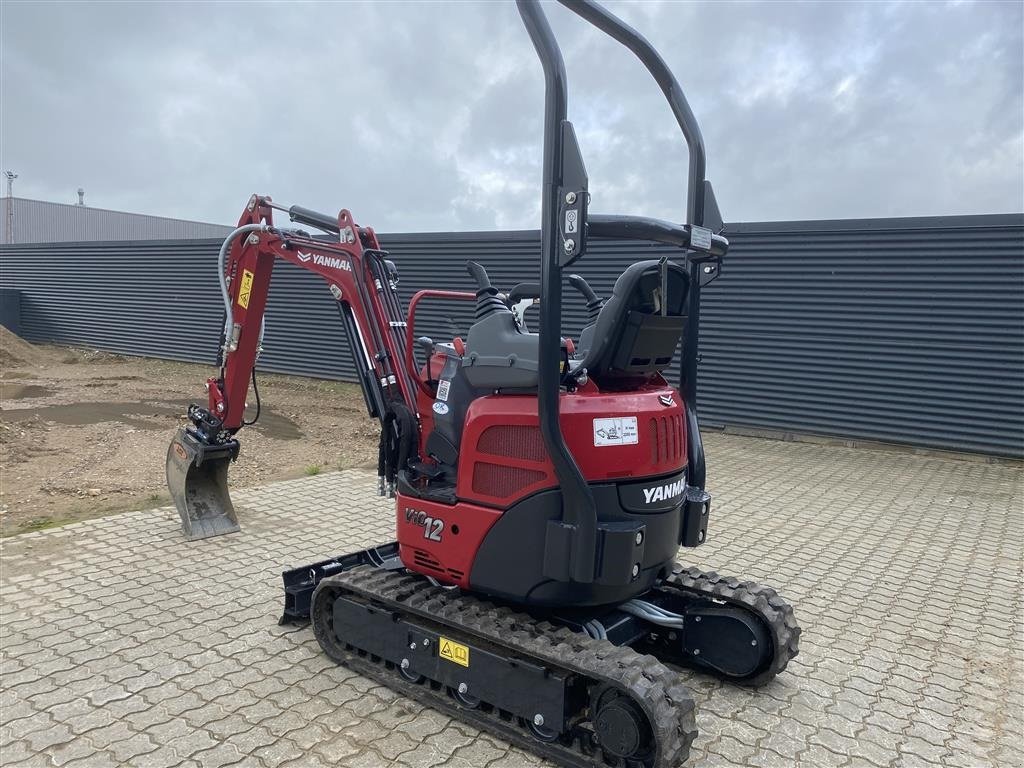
(632, 340)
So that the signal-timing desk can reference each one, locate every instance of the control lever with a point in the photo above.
(594, 302)
(524, 291)
(479, 274)
(521, 298)
(427, 345)
(487, 300)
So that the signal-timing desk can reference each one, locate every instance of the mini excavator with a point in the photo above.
(542, 486)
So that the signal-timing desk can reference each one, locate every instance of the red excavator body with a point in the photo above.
(543, 482)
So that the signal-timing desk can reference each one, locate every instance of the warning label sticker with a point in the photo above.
(245, 289)
(442, 389)
(454, 652)
(620, 430)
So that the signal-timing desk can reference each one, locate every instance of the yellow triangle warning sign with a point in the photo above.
(452, 651)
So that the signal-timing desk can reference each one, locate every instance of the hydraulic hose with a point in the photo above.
(652, 613)
(222, 257)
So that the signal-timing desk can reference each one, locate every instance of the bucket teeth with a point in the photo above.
(197, 477)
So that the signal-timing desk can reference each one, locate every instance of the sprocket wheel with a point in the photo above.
(621, 727)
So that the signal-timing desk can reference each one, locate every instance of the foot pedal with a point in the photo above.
(429, 471)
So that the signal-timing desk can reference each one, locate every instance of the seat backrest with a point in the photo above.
(632, 340)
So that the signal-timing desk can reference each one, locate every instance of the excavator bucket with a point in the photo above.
(197, 477)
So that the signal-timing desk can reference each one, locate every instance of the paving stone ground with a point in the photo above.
(123, 644)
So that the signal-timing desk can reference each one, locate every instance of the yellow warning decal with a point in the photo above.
(455, 652)
(245, 289)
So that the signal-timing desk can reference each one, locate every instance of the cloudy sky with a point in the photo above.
(421, 116)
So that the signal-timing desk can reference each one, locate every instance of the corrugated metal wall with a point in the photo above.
(40, 221)
(904, 330)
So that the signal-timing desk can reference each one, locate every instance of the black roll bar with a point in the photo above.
(695, 202)
(655, 230)
(616, 28)
(564, 181)
(578, 508)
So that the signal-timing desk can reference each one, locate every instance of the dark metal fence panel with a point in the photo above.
(10, 310)
(160, 299)
(904, 330)
(156, 298)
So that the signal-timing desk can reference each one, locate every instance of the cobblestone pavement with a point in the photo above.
(124, 645)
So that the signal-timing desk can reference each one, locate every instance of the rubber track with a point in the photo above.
(658, 690)
(763, 601)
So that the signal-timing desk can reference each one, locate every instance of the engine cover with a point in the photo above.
(504, 535)
(612, 436)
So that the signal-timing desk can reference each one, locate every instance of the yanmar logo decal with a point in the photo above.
(665, 492)
(320, 260)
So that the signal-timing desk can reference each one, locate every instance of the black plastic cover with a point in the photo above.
(654, 494)
(696, 510)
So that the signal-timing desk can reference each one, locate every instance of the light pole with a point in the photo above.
(9, 218)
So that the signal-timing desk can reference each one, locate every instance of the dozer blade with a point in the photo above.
(197, 477)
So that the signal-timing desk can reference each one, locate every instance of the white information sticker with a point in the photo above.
(571, 221)
(700, 238)
(442, 389)
(620, 430)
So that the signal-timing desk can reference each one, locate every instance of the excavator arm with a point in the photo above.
(362, 282)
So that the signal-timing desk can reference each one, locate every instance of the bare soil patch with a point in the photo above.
(85, 433)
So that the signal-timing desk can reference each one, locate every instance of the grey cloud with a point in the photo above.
(427, 116)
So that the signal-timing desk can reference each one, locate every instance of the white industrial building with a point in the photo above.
(38, 221)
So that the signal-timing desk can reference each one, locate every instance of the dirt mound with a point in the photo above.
(85, 433)
(15, 351)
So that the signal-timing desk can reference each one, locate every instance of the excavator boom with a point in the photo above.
(362, 283)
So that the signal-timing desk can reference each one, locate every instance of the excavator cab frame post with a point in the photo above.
(565, 226)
